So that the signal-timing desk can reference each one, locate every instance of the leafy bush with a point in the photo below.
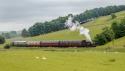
(119, 28)
(7, 46)
(113, 16)
(106, 36)
(2, 40)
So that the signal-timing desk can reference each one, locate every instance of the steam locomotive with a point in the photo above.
(66, 43)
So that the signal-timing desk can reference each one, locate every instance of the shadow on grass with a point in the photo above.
(56, 49)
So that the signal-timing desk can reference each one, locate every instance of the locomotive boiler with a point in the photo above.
(66, 43)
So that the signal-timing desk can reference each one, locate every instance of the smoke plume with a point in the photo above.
(76, 26)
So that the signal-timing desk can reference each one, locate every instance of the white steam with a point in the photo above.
(71, 25)
(85, 31)
(76, 26)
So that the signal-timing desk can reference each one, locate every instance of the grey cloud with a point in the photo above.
(30, 11)
(18, 9)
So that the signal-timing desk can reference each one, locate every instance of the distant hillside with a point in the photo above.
(58, 24)
(95, 27)
(2, 32)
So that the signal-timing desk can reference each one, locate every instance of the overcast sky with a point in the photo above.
(19, 14)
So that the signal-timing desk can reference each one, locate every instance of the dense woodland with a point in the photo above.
(58, 24)
(97, 12)
(46, 27)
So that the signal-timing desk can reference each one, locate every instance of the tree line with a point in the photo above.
(7, 35)
(97, 12)
(58, 24)
(47, 27)
(10, 34)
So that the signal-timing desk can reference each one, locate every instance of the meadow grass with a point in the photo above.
(25, 60)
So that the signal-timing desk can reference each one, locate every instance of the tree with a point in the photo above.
(113, 16)
(104, 37)
(9, 35)
(6, 35)
(25, 33)
(116, 29)
(2, 40)
(119, 28)
(13, 33)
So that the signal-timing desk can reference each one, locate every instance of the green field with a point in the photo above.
(26, 60)
(109, 57)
